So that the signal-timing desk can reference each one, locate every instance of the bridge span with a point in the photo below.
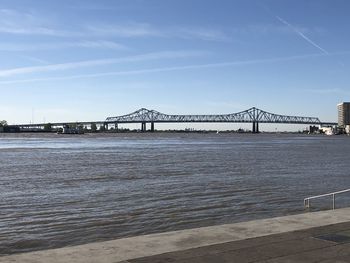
(144, 116)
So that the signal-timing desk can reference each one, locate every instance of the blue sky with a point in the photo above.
(86, 60)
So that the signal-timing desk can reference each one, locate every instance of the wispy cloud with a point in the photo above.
(203, 33)
(151, 70)
(330, 91)
(99, 62)
(127, 30)
(133, 30)
(36, 24)
(302, 35)
(14, 29)
(96, 44)
(34, 59)
(20, 23)
(270, 29)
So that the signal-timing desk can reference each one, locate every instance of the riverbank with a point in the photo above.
(278, 237)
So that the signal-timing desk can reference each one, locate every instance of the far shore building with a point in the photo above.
(344, 115)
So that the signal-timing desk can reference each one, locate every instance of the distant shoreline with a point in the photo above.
(163, 131)
(170, 132)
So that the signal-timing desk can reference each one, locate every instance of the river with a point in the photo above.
(58, 190)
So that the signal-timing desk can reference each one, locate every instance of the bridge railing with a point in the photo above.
(307, 200)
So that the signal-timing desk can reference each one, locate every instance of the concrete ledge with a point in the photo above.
(149, 245)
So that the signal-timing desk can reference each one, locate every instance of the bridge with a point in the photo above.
(144, 116)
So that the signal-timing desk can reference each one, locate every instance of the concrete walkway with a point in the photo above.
(267, 239)
(326, 244)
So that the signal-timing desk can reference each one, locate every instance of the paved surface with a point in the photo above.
(328, 244)
(265, 239)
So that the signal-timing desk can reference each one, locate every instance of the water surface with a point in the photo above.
(59, 190)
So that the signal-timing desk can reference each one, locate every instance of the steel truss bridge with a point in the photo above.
(252, 115)
(144, 116)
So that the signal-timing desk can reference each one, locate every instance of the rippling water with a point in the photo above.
(66, 190)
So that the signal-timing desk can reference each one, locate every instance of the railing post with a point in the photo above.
(333, 201)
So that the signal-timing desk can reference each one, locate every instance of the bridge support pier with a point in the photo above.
(116, 126)
(255, 127)
(143, 126)
(152, 126)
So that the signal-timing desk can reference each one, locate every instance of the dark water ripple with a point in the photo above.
(58, 190)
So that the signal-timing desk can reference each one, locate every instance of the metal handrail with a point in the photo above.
(307, 200)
